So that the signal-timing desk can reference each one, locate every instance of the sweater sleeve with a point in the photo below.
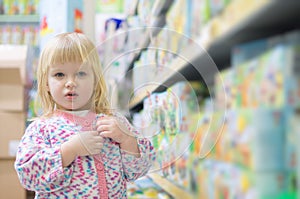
(135, 167)
(38, 164)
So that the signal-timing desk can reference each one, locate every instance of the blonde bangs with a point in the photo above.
(65, 50)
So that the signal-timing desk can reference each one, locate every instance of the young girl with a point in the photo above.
(78, 148)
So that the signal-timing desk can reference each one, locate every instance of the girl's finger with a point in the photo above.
(106, 134)
(100, 139)
(94, 133)
(103, 122)
(103, 128)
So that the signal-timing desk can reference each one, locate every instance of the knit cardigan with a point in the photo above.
(39, 164)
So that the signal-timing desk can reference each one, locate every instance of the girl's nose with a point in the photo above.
(70, 83)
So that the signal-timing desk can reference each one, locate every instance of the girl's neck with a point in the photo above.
(80, 113)
(87, 121)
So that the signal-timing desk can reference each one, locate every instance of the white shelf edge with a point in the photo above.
(169, 187)
(19, 18)
(159, 5)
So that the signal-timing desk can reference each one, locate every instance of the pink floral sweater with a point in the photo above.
(39, 165)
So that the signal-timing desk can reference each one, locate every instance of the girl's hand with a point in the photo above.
(86, 143)
(112, 127)
(81, 144)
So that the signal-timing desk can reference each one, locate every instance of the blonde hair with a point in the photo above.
(64, 48)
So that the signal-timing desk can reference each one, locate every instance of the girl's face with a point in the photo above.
(71, 86)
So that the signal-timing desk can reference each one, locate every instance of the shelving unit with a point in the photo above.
(258, 19)
(161, 7)
(159, 10)
(15, 24)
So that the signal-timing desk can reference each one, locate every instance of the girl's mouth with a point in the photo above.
(71, 95)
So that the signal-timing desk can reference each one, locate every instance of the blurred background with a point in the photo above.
(213, 84)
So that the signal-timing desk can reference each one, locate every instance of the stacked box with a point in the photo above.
(9, 182)
(14, 82)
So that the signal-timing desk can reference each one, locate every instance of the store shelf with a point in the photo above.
(175, 191)
(151, 32)
(261, 19)
(158, 21)
(179, 72)
(143, 45)
(161, 6)
(258, 19)
(19, 18)
(135, 5)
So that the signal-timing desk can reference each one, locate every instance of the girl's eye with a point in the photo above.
(81, 74)
(59, 75)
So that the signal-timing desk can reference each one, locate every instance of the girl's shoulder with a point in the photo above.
(42, 122)
(36, 121)
(36, 125)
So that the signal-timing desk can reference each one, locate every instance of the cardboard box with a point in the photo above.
(15, 76)
(11, 131)
(10, 186)
(12, 97)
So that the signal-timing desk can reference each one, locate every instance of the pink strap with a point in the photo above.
(101, 177)
(87, 125)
